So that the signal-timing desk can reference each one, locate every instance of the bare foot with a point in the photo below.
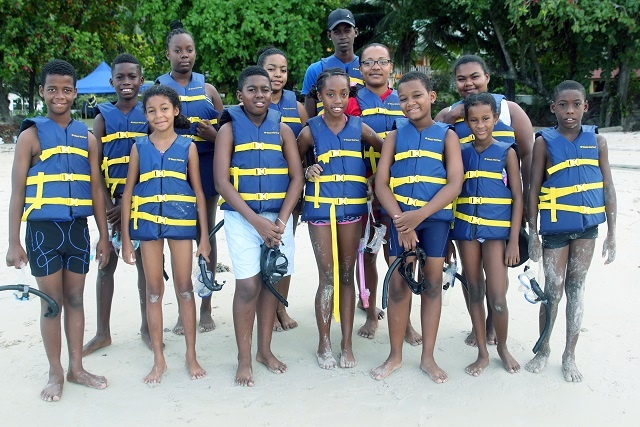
(433, 370)
(195, 370)
(380, 312)
(476, 368)
(412, 336)
(206, 322)
(470, 340)
(570, 370)
(244, 374)
(155, 376)
(384, 370)
(285, 320)
(87, 379)
(277, 327)
(178, 329)
(272, 363)
(510, 364)
(538, 363)
(96, 343)
(52, 392)
(326, 359)
(368, 330)
(347, 359)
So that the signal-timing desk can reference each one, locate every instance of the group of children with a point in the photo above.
(164, 161)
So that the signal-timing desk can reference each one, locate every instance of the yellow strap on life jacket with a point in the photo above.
(120, 135)
(62, 149)
(373, 156)
(159, 198)
(135, 216)
(38, 200)
(290, 120)
(236, 172)
(355, 81)
(194, 138)
(381, 110)
(415, 202)
(554, 207)
(257, 146)
(185, 98)
(261, 197)
(112, 183)
(482, 174)
(549, 197)
(483, 201)
(325, 157)
(160, 173)
(481, 221)
(572, 163)
(412, 179)
(417, 153)
(382, 135)
(198, 120)
(495, 134)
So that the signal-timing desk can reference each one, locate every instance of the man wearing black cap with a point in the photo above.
(342, 32)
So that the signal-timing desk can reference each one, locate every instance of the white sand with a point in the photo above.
(608, 354)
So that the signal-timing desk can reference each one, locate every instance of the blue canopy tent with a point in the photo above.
(98, 81)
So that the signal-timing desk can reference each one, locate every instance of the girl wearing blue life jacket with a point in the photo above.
(418, 177)
(163, 199)
(488, 212)
(293, 114)
(472, 76)
(335, 201)
(202, 105)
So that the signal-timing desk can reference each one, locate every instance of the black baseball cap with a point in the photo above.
(341, 16)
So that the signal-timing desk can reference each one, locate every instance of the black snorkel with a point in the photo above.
(206, 279)
(273, 267)
(544, 299)
(53, 308)
(413, 276)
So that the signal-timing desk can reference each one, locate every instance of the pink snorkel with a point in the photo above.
(373, 247)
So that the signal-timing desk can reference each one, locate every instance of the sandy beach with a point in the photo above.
(608, 354)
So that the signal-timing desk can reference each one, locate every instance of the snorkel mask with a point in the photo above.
(273, 267)
(412, 274)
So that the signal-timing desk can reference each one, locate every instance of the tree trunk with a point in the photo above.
(510, 78)
(32, 91)
(623, 95)
(5, 114)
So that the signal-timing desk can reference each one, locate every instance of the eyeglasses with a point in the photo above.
(381, 62)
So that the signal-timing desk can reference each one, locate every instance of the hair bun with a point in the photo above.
(175, 24)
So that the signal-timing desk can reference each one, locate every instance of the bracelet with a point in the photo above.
(306, 172)
(282, 222)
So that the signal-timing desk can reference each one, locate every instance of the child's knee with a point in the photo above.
(476, 293)
(498, 304)
(74, 301)
(154, 297)
(247, 292)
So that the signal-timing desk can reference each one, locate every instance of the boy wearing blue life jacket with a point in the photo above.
(259, 175)
(572, 190)
(56, 185)
(116, 127)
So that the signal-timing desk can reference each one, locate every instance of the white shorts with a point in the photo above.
(244, 243)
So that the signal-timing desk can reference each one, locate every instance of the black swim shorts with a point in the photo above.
(52, 246)
(557, 241)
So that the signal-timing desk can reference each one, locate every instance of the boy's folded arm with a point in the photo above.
(26, 146)
(382, 177)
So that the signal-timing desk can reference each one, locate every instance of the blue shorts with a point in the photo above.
(206, 174)
(560, 240)
(433, 239)
(52, 246)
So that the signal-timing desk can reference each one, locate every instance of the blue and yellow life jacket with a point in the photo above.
(501, 131)
(572, 197)
(341, 189)
(120, 133)
(58, 187)
(259, 171)
(196, 105)
(380, 116)
(418, 171)
(163, 203)
(483, 208)
(352, 68)
(288, 109)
